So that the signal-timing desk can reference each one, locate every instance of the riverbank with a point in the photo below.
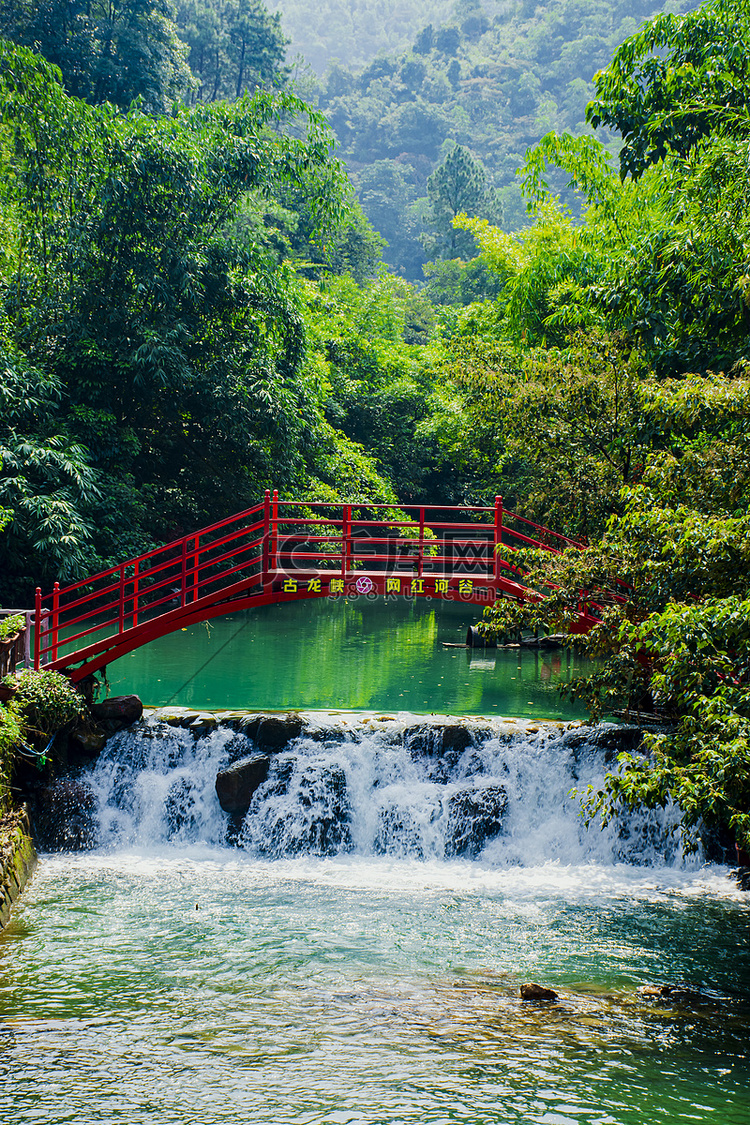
(17, 859)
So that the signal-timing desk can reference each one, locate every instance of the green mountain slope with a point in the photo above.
(494, 79)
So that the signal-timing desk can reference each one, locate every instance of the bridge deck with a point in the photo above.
(282, 550)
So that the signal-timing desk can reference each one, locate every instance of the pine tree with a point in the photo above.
(458, 185)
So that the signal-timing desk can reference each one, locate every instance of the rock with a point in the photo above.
(126, 709)
(537, 992)
(273, 731)
(235, 786)
(474, 816)
(456, 737)
(88, 739)
(434, 739)
(203, 724)
(674, 995)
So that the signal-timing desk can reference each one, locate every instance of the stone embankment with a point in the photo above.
(17, 859)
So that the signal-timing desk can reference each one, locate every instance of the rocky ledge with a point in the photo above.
(17, 859)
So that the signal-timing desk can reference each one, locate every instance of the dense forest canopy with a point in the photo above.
(192, 309)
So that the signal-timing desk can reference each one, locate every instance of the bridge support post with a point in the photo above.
(420, 557)
(498, 535)
(136, 574)
(266, 535)
(55, 618)
(275, 529)
(346, 528)
(37, 628)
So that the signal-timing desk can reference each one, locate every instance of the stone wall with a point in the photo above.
(17, 859)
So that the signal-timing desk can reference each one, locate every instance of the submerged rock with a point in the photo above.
(675, 995)
(235, 786)
(537, 992)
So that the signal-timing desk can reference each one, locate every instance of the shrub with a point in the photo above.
(47, 701)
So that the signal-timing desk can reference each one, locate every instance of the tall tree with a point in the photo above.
(458, 185)
(672, 83)
(235, 46)
(106, 52)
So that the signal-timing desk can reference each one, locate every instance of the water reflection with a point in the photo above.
(364, 654)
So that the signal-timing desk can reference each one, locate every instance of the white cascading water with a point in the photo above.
(376, 789)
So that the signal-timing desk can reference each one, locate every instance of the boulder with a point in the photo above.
(537, 992)
(88, 739)
(125, 709)
(475, 816)
(273, 731)
(235, 786)
(434, 739)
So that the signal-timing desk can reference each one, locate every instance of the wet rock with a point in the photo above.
(273, 731)
(537, 992)
(435, 739)
(455, 737)
(235, 786)
(397, 833)
(180, 809)
(742, 875)
(474, 816)
(203, 724)
(87, 739)
(313, 815)
(675, 995)
(63, 816)
(605, 741)
(124, 709)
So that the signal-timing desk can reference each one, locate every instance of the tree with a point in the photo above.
(458, 185)
(176, 345)
(235, 46)
(106, 52)
(673, 83)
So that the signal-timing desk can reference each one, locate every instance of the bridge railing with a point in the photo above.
(374, 539)
(248, 552)
(83, 617)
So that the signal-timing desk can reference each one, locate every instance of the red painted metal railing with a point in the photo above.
(281, 550)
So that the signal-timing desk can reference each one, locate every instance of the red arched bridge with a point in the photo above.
(283, 550)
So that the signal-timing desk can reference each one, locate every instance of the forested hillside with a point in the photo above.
(492, 78)
(352, 32)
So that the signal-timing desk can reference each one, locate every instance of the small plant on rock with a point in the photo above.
(9, 626)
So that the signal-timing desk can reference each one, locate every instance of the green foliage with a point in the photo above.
(12, 732)
(234, 47)
(458, 186)
(673, 83)
(47, 484)
(492, 86)
(376, 383)
(11, 625)
(47, 701)
(106, 52)
(147, 312)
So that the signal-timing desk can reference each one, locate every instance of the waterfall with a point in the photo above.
(498, 793)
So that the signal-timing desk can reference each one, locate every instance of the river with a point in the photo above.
(351, 951)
